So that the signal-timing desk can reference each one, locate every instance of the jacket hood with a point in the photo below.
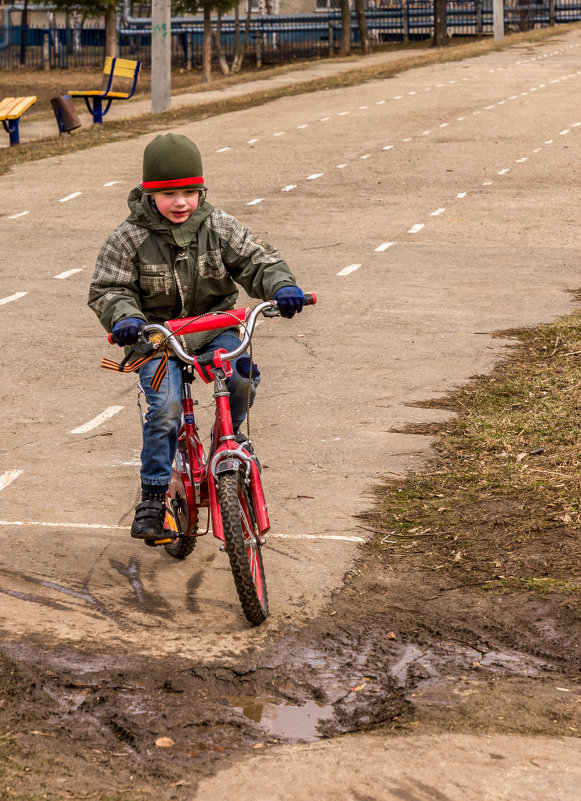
(145, 215)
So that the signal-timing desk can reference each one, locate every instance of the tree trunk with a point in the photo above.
(207, 46)
(241, 46)
(217, 39)
(23, 33)
(440, 32)
(111, 38)
(362, 26)
(345, 43)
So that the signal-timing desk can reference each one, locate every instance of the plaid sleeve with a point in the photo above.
(114, 289)
(253, 263)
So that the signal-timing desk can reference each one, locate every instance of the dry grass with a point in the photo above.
(500, 504)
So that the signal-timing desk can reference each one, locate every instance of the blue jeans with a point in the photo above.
(164, 413)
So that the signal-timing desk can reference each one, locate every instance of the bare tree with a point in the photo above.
(345, 42)
(440, 32)
(362, 26)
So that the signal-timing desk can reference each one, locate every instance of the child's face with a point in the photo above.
(177, 204)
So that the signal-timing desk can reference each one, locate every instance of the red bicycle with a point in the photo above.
(228, 482)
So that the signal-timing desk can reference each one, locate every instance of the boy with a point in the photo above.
(178, 256)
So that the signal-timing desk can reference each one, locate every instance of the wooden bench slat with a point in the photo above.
(11, 108)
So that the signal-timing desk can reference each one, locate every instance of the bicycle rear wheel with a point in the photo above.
(243, 545)
(184, 545)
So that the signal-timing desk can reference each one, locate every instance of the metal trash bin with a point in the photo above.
(64, 111)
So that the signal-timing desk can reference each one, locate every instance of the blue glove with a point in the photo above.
(290, 299)
(126, 331)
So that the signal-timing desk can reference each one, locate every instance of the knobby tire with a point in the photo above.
(243, 545)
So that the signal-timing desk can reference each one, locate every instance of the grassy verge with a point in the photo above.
(500, 503)
(136, 126)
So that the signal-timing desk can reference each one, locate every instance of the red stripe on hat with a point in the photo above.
(172, 184)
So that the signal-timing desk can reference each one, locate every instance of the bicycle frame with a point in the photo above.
(225, 455)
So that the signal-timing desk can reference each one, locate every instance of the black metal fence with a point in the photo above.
(276, 39)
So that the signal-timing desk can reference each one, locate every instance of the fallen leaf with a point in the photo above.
(181, 783)
(391, 635)
(476, 665)
(521, 456)
(164, 742)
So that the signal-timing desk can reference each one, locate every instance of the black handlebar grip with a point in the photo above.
(310, 299)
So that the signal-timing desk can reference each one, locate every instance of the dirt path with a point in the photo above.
(427, 211)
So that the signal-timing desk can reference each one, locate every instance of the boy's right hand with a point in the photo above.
(126, 331)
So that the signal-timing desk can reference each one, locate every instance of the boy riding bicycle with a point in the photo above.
(178, 256)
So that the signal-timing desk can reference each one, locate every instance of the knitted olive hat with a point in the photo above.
(171, 161)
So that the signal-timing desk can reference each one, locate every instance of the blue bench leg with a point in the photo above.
(97, 110)
(12, 130)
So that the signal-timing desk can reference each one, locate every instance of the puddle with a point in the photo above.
(286, 721)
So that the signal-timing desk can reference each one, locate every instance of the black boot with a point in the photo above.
(149, 517)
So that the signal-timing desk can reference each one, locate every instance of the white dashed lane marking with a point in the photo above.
(255, 202)
(7, 477)
(384, 246)
(69, 197)
(109, 412)
(314, 176)
(437, 212)
(10, 298)
(288, 188)
(112, 183)
(68, 273)
(348, 270)
(415, 229)
(20, 214)
(223, 149)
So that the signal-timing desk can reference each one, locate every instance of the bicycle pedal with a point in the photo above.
(154, 543)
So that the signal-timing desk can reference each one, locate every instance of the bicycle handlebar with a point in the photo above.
(268, 307)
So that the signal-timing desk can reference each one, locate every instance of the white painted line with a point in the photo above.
(20, 214)
(384, 246)
(279, 133)
(459, 119)
(367, 156)
(513, 97)
(69, 197)
(255, 202)
(348, 270)
(324, 119)
(412, 93)
(68, 273)
(288, 188)
(314, 176)
(425, 133)
(415, 229)
(10, 298)
(444, 124)
(387, 147)
(362, 107)
(7, 477)
(522, 161)
(534, 89)
(340, 166)
(504, 171)
(523, 93)
(380, 102)
(461, 195)
(501, 102)
(409, 139)
(344, 113)
(223, 149)
(437, 212)
(304, 125)
(549, 141)
(398, 97)
(537, 149)
(109, 412)
(565, 132)
(45, 524)
(487, 183)
(474, 113)
(112, 183)
(489, 107)
(542, 85)
(576, 125)
(253, 141)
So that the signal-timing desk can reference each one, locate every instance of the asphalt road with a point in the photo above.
(426, 211)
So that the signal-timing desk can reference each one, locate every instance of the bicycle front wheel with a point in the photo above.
(243, 545)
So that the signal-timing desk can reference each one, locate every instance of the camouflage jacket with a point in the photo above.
(157, 271)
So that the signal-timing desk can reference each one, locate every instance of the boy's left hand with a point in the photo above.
(290, 300)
